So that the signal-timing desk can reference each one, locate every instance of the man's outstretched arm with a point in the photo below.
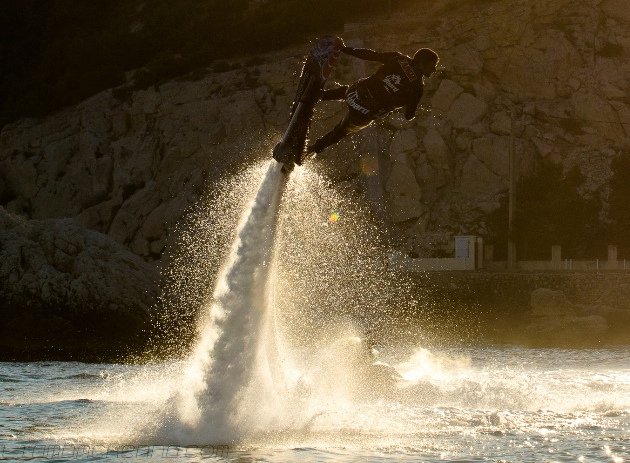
(370, 55)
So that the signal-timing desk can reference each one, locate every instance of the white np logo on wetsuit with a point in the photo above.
(392, 82)
(353, 101)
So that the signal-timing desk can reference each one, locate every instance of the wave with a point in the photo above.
(89, 376)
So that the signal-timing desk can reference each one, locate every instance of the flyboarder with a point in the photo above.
(396, 83)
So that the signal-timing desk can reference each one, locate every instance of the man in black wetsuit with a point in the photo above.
(396, 83)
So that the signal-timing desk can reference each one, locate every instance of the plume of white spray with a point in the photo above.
(243, 379)
(223, 364)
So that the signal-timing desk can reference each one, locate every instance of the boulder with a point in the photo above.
(404, 140)
(444, 96)
(404, 192)
(20, 173)
(589, 106)
(432, 179)
(568, 331)
(617, 9)
(478, 180)
(542, 147)
(466, 60)
(623, 112)
(554, 321)
(241, 113)
(484, 91)
(549, 303)
(120, 124)
(494, 152)
(467, 110)
(534, 70)
(437, 151)
(69, 292)
(501, 123)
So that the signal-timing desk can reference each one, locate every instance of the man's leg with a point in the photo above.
(332, 137)
(337, 93)
(353, 121)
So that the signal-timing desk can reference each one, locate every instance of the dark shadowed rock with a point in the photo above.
(555, 322)
(69, 292)
(549, 303)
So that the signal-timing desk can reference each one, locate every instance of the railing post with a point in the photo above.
(556, 256)
(612, 263)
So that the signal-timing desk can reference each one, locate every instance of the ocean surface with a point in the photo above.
(458, 404)
(268, 382)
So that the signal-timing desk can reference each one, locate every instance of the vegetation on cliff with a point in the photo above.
(58, 52)
(551, 210)
(619, 209)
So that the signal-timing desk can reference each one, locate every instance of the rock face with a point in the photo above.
(72, 288)
(128, 163)
(554, 321)
(549, 303)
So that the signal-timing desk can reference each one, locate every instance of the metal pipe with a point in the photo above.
(511, 245)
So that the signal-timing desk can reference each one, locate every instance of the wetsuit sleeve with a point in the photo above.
(370, 55)
(412, 104)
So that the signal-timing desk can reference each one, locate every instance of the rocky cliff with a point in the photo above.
(548, 78)
(130, 167)
(69, 292)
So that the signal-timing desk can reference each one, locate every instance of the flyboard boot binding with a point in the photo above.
(320, 63)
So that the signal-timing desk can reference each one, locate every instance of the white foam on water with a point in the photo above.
(248, 382)
(276, 367)
(244, 378)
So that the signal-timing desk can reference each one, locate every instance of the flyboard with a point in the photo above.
(319, 65)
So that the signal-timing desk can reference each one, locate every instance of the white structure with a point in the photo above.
(468, 256)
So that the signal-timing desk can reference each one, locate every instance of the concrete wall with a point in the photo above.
(509, 292)
(403, 263)
(568, 265)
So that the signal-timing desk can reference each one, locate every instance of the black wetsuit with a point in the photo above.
(395, 84)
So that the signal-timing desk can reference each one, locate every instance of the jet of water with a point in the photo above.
(223, 364)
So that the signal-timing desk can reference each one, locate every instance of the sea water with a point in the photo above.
(459, 404)
(268, 381)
